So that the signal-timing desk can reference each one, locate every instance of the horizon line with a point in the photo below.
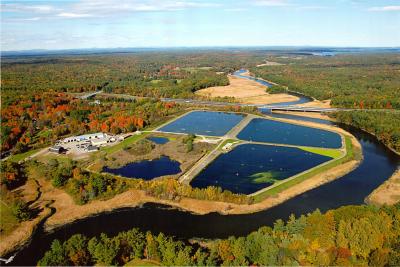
(204, 46)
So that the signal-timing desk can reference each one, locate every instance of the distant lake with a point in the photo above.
(158, 140)
(249, 168)
(270, 131)
(204, 123)
(147, 169)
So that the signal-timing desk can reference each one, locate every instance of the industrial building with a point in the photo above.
(85, 137)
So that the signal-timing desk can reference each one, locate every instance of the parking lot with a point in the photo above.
(80, 145)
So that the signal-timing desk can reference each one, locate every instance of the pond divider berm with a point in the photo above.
(208, 158)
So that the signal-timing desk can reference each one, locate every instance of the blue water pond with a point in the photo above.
(204, 123)
(147, 169)
(249, 168)
(158, 140)
(271, 131)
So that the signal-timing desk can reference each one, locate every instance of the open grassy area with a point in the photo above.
(22, 156)
(126, 142)
(196, 69)
(8, 221)
(350, 154)
(333, 153)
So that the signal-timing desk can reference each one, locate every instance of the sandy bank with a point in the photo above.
(306, 114)
(245, 91)
(23, 232)
(387, 193)
(270, 63)
(318, 104)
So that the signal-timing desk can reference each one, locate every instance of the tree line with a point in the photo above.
(384, 125)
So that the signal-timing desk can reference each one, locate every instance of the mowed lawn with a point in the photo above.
(126, 142)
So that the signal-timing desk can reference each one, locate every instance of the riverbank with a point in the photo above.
(31, 192)
(387, 193)
(313, 115)
(245, 91)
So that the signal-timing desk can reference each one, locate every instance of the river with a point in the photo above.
(302, 98)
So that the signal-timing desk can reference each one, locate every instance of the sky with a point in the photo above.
(74, 24)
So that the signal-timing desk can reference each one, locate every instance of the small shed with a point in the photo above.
(99, 142)
(57, 149)
(91, 148)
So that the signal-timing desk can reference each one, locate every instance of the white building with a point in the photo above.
(99, 141)
(85, 137)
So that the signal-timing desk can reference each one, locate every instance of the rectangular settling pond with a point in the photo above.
(270, 131)
(249, 168)
(204, 123)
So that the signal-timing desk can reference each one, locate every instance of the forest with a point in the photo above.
(39, 95)
(40, 104)
(347, 236)
(351, 81)
(383, 124)
(43, 119)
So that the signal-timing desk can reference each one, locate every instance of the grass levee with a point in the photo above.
(333, 153)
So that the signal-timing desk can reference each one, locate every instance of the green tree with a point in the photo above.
(21, 210)
(56, 256)
(76, 249)
(103, 250)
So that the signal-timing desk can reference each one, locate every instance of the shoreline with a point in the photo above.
(23, 234)
(387, 193)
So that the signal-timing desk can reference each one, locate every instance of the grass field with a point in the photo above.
(126, 142)
(22, 156)
(350, 154)
(8, 221)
